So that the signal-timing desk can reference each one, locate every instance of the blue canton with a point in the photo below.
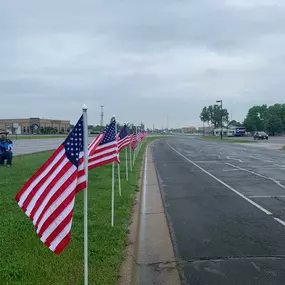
(110, 133)
(74, 143)
(124, 132)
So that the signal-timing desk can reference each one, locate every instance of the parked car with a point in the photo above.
(260, 136)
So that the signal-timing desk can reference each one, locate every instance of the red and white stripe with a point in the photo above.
(94, 144)
(104, 154)
(133, 141)
(123, 142)
(48, 198)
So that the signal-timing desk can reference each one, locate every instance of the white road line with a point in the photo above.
(229, 157)
(230, 188)
(265, 160)
(257, 174)
(279, 221)
(222, 182)
(283, 166)
(277, 196)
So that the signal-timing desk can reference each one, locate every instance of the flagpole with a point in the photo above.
(113, 180)
(134, 156)
(85, 149)
(119, 180)
(119, 170)
(113, 193)
(131, 162)
(127, 170)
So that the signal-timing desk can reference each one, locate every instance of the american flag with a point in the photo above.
(133, 141)
(124, 138)
(48, 197)
(141, 136)
(107, 150)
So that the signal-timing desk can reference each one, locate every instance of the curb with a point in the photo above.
(127, 274)
(149, 254)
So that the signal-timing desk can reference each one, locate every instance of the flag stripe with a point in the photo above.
(52, 204)
(64, 242)
(41, 195)
(95, 143)
(56, 217)
(59, 232)
(66, 231)
(22, 195)
(61, 185)
(102, 162)
(99, 156)
(48, 163)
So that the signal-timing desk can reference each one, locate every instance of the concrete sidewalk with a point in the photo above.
(149, 255)
(155, 260)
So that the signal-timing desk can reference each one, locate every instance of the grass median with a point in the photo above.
(26, 261)
(226, 139)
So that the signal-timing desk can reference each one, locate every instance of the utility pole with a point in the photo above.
(221, 101)
(167, 119)
(102, 116)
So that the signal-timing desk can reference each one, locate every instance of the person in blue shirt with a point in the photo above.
(6, 146)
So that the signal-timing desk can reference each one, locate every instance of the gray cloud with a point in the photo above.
(143, 60)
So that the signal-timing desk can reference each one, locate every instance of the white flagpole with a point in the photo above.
(113, 193)
(85, 149)
(113, 181)
(119, 180)
(127, 170)
(131, 162)
(137, 144)
(134, 156)
(119, 171)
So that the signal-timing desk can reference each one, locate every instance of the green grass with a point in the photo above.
(25, 260)
(35, 137)
(226, 139)
(283, 147)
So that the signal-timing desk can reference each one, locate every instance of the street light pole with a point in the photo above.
(221, 101)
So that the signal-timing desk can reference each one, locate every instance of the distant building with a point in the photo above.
(206, 130)
(34, 126)
(189, 130)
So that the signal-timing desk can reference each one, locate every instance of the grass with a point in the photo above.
(283, 147)
(35, 137)
(226, 139)
(26, 261)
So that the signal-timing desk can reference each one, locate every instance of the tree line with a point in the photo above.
(96, 129)
(270, 119)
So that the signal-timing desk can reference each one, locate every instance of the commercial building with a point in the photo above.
(189, 130)
(34, 126)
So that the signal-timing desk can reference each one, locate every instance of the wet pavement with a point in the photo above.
(36, 145)
(225, 205)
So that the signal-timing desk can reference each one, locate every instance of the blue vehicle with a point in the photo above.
(236, 132)
(239, 132)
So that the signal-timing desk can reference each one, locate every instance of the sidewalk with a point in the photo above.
(150, 257)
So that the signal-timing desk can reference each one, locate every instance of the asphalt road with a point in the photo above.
(37, 145)
(225, 205)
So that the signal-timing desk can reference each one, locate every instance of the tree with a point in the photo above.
(235, 123)
(204, 116)
(256, 119)
(275, 125)
(212, 114)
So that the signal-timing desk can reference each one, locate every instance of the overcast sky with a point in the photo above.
(144, 60)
